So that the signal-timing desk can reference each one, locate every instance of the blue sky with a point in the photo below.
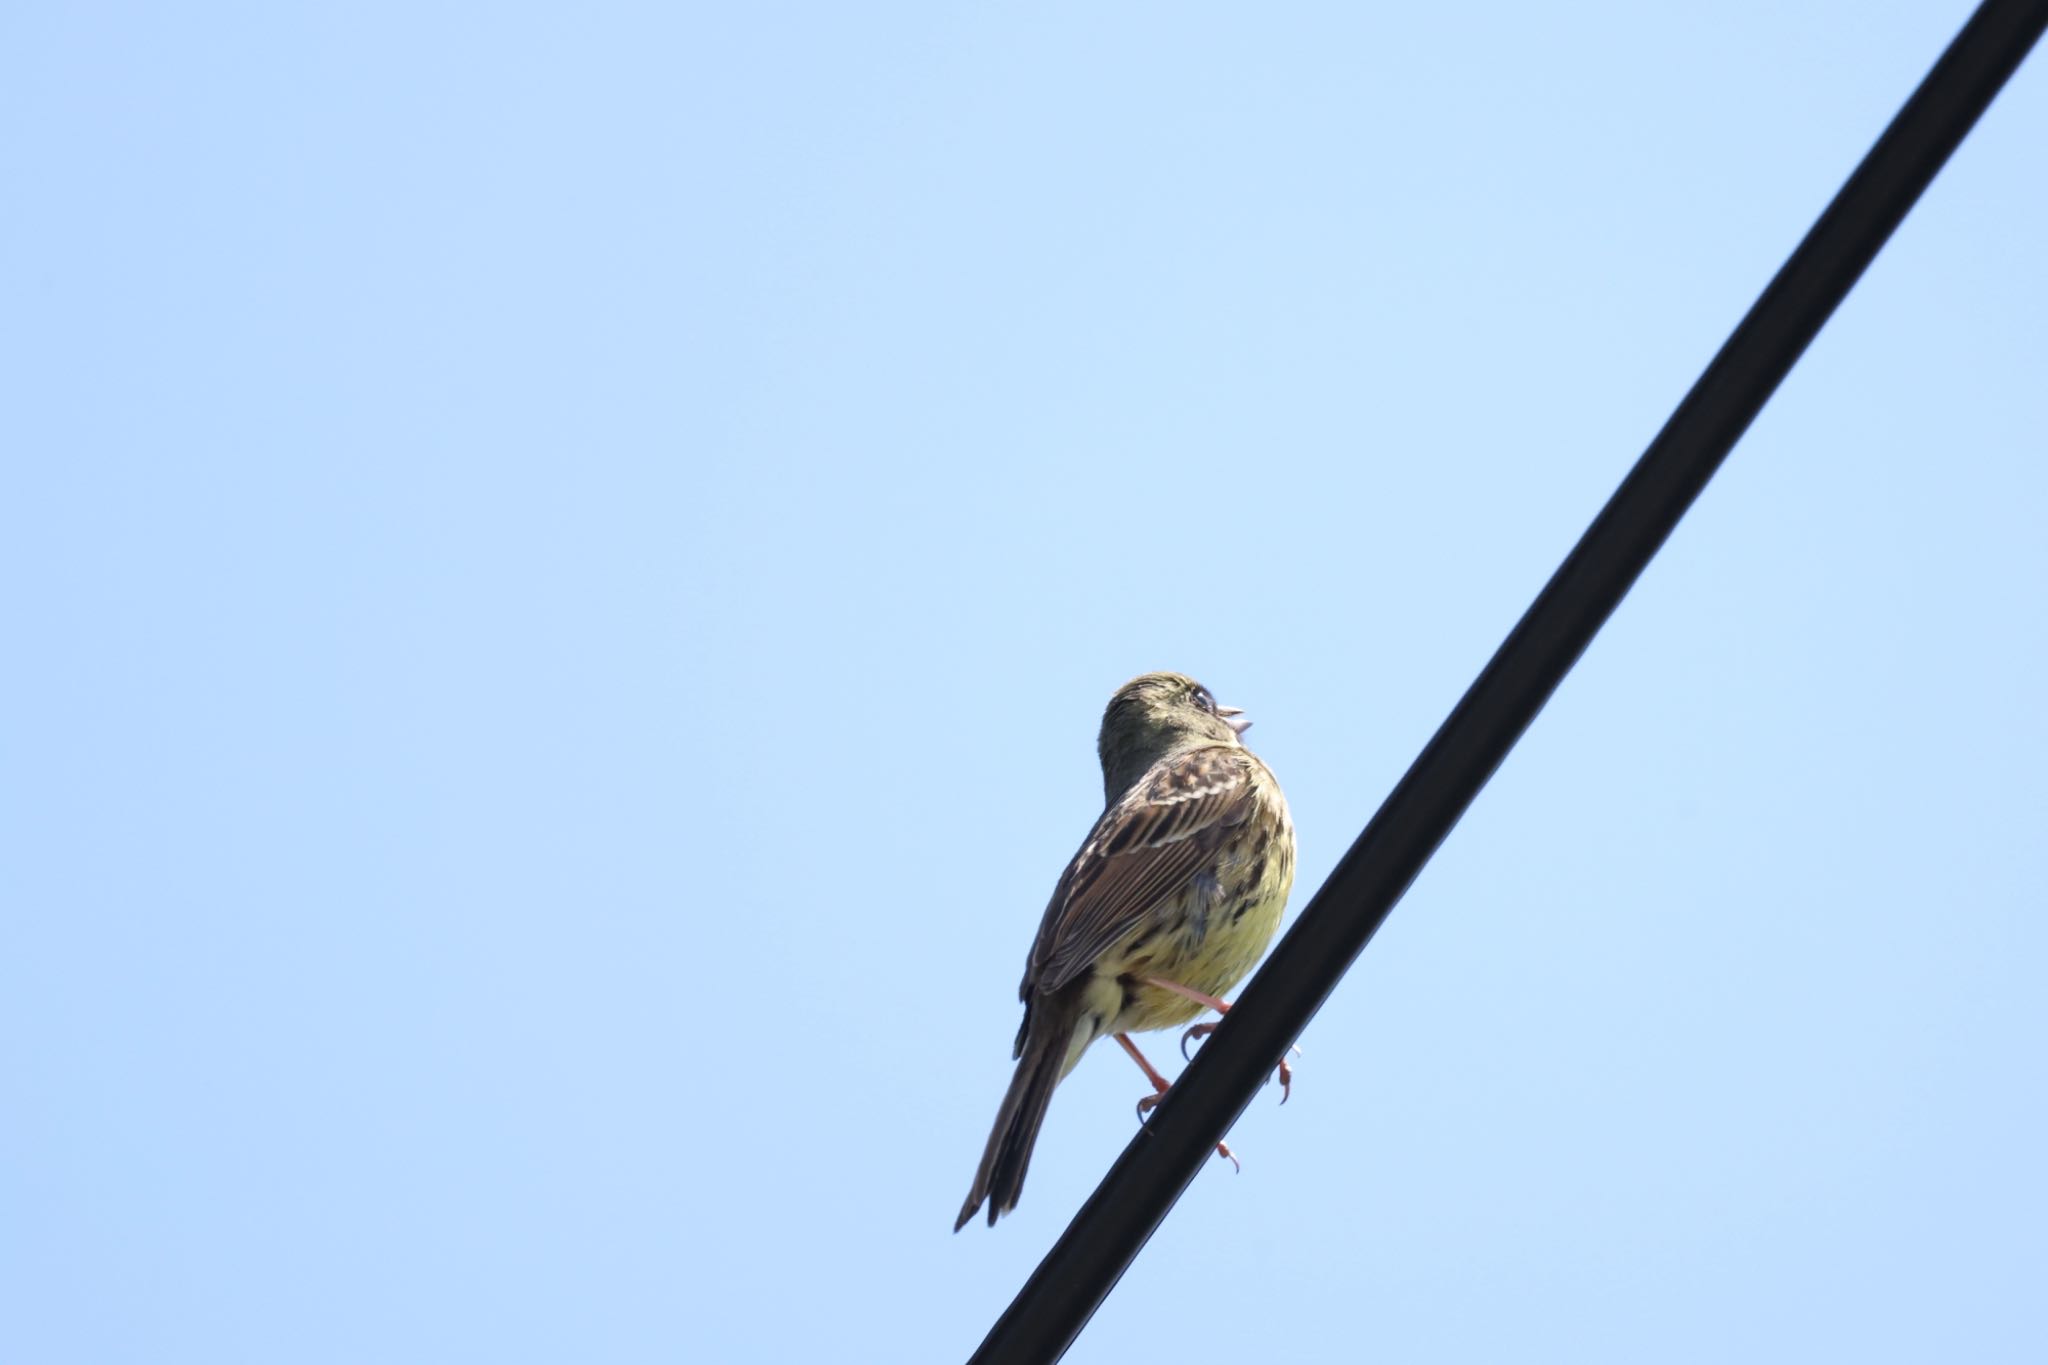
(563, 567)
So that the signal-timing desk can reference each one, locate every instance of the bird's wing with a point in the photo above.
(1142, 850)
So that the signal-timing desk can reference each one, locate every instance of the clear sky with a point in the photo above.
(561, 564)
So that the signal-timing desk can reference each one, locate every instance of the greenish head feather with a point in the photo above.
(1155, 715)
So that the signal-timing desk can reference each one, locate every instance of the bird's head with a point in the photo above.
(1155, 715)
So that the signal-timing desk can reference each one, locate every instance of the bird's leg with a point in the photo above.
(1283, 1071)
(1188, 993)
(1160, 1085)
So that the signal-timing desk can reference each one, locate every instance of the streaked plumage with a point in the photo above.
(1182, 879)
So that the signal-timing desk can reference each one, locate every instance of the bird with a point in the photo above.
(1169, 903)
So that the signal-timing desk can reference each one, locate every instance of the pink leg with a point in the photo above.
(1283, 1071)
(1188, 993)
(1160, 1085)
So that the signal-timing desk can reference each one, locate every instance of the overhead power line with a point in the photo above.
(1089, 1258)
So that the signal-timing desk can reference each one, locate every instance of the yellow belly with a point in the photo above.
(1207, 937)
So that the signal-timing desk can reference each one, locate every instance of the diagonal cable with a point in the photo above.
(1117, 1220)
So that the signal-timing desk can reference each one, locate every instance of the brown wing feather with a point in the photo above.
(1142, 850)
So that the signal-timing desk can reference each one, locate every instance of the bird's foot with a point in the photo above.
(1283, 1072)
(1160, 1085)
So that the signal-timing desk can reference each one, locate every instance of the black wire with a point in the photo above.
(1089, 1258)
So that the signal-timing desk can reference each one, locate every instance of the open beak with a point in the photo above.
(1230, 716)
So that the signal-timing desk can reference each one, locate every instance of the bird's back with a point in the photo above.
(1210, 933)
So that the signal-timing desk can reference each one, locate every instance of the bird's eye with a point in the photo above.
(1204, 700)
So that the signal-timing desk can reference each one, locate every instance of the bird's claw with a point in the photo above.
(1150, 1102)
(1283, 1071)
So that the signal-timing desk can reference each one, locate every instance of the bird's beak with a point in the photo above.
(1230, 715)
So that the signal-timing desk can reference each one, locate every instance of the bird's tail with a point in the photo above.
(1040, 1064)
